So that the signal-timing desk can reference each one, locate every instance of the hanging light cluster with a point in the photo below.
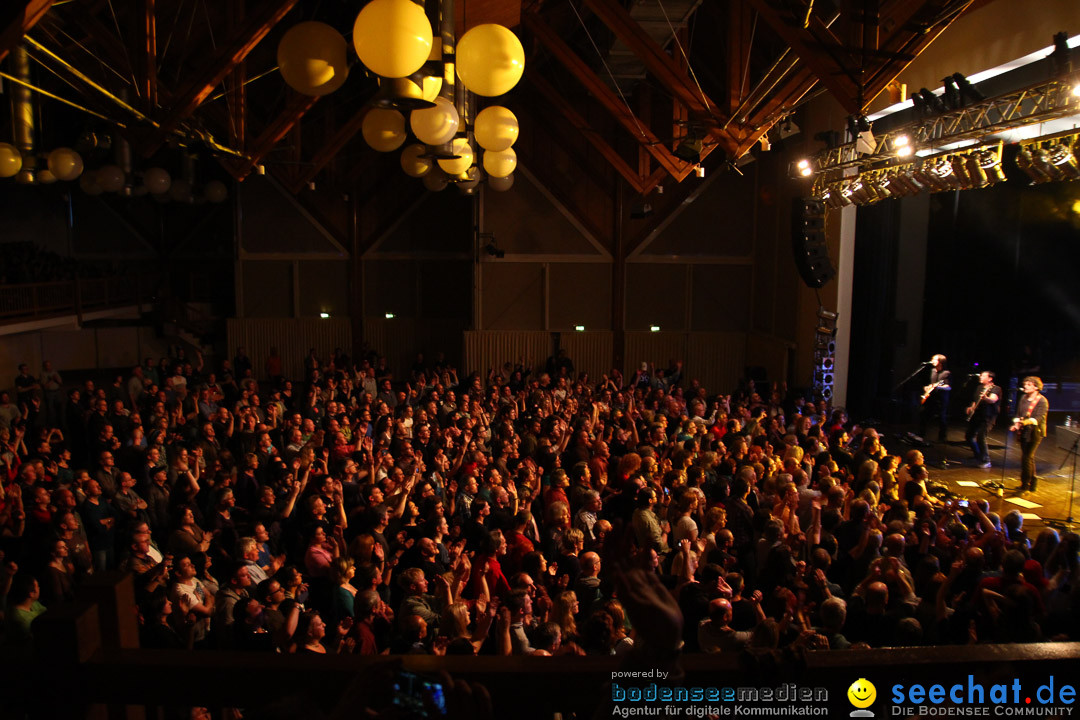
(418, 78)
(1050, 160)
(65, 164)
(957, 171)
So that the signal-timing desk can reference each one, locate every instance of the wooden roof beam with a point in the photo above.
(789, 94)
(143, 52)
(237, 110)
(557, 102)
(281, 125)
(569, 59)
(16, 19)
(254, 28)
(808, 47)
(662, 66)
(907, 43)
(739, 25)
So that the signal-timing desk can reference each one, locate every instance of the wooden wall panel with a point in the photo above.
(291, 336)
(658, 348)
(485, 349)
(400, 339)
(591, 352)
(716, 359)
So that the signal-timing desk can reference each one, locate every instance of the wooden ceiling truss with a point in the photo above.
(771, 54)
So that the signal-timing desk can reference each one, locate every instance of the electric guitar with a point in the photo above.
(929, 389)
(975, 405)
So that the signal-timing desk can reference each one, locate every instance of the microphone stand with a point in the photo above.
(901, 408)
(911, 377)
(1067, 523)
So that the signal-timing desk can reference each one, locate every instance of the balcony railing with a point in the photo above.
(33, 301)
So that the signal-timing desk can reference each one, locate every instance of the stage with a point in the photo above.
(958, 472)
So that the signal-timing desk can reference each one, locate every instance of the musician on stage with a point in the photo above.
(935, 398)
(982, 414)
(1030, 428)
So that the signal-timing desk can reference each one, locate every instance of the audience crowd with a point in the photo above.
(354, 512)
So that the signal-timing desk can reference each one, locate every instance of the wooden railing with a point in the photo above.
(33, 301)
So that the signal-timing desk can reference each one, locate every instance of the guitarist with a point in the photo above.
(982, 414)
(1030, 426)
(936, 397)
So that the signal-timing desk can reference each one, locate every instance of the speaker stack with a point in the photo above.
(808, 242)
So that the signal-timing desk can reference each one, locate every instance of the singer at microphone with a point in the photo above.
(935, 398)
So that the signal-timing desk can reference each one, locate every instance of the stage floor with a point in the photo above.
(963, 477)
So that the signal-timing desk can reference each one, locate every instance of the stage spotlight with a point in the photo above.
(689, 149)
(960, 171)
(1061, 157)
(975, 171)
(932, 102)
(968, 92)
(902, 146)
(804, 168)
(942, 169)
(1042, 160)
(1025, 160)
(857, 124)
(880, 186)
(990, 164)
(952, 93)
(1061, 57)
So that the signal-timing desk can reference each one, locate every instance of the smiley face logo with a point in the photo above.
(862, 694)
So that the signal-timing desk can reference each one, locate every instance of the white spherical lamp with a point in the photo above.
(392, 37)
(490, 59)
(384, 130)
(457, 165)
(501, 163)
(436, 125)
(311, 57)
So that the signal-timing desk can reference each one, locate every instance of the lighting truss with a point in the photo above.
(1038, 103)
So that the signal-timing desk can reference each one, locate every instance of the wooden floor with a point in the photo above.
(1050, 503)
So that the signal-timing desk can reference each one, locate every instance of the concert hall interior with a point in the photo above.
(703, 338)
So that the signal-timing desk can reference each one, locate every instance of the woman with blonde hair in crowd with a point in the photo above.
(342, 571)
(564, 613)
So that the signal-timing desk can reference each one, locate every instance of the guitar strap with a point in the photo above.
(1034, 402)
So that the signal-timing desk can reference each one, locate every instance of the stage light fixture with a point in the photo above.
(689, 149)
(990, 164)
(952, 93)
(902, 146)
(960, 171)
(1025, 160)
(1061, 57)
(968, 93)
(942, 169)
(1062, 158)
(932, 102)
(974, 170)
(805, 168)
(1042, 160)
